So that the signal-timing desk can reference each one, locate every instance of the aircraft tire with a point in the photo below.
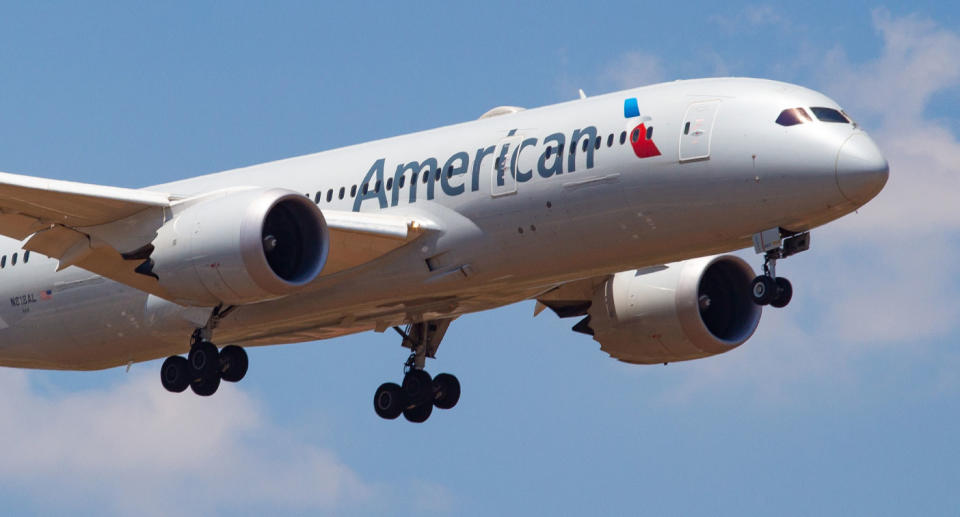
(417, 387)
(204, 361)
(763, 289)
(784, 293)
(388, 401)
(206, 386)
(233, 363)
(418, 413)
(446, 389)
(175, 374)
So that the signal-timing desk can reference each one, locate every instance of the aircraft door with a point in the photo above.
(696, 130)
(503, 170)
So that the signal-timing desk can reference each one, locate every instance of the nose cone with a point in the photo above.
(862, 170)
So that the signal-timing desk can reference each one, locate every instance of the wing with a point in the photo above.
(108, 230)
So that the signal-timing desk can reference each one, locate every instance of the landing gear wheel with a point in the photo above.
(207, 385)
(418, 388)
(204, 361)
(763, 289)
(388, 401)
(446, 391)
(233, 363)
(175, 374)
(784, 293)
(419, 413)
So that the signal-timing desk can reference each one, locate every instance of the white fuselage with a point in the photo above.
(513, 224)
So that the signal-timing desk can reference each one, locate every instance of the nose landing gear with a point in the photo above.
(416, 397)
(768, 288)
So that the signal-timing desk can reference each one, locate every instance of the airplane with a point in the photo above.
(617, 209)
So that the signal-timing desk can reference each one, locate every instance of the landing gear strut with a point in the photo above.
(768, 288)
(416, 397)
(205, 366)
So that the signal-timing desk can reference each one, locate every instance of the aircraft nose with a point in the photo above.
(862, 170)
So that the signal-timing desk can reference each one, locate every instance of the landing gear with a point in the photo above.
(768, 288)
(205, 366)
(416, 397)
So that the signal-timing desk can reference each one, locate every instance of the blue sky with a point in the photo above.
(845, 403)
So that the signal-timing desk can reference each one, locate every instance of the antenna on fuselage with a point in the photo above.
(582, 95)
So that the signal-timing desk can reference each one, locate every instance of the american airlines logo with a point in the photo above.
(641, 138)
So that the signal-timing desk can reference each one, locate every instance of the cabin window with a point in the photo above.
(26, 256)
(610, 140)
(635, 135)
(389, 183)
(623, 137)
(329, 195)
(686, 128)
(316, 198)
(649, 132)
(343, 190)
(13, 260)
(549, 151)
(353, 191)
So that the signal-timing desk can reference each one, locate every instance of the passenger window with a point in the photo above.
(560, 150)
(549, 151)
(792, 117)
(329, 195)
(403, 179)
(450, 171)
(686, 128)
(573, 147)
(426, 177)
(635, 135)
(623, 137)
(389, 183)
(436, 177)
(26, 256)
(343, 191)
(649, 132)
(13, 260)
(830, 115)
(353, 191)
(3, 261)
(316, 198)
(610, 140)
(366, 188)
(596, 145)
(586, 143)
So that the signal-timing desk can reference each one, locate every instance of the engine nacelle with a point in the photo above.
(687, 310)
(240, 247)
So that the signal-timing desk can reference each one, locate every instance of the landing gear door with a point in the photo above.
(503, 172)
(696, 130)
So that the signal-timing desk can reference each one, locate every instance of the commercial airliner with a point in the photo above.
(615, 209)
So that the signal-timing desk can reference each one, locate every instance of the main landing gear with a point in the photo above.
(205, 366)
(768, 288)
(416, 397)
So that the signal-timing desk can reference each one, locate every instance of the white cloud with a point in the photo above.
(633, 69)
(750, 16)
(136, 449)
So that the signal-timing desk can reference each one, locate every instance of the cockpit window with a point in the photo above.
(830, 115)
(793, 116)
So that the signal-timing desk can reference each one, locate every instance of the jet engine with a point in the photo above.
(239, 247)
(681, 311)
